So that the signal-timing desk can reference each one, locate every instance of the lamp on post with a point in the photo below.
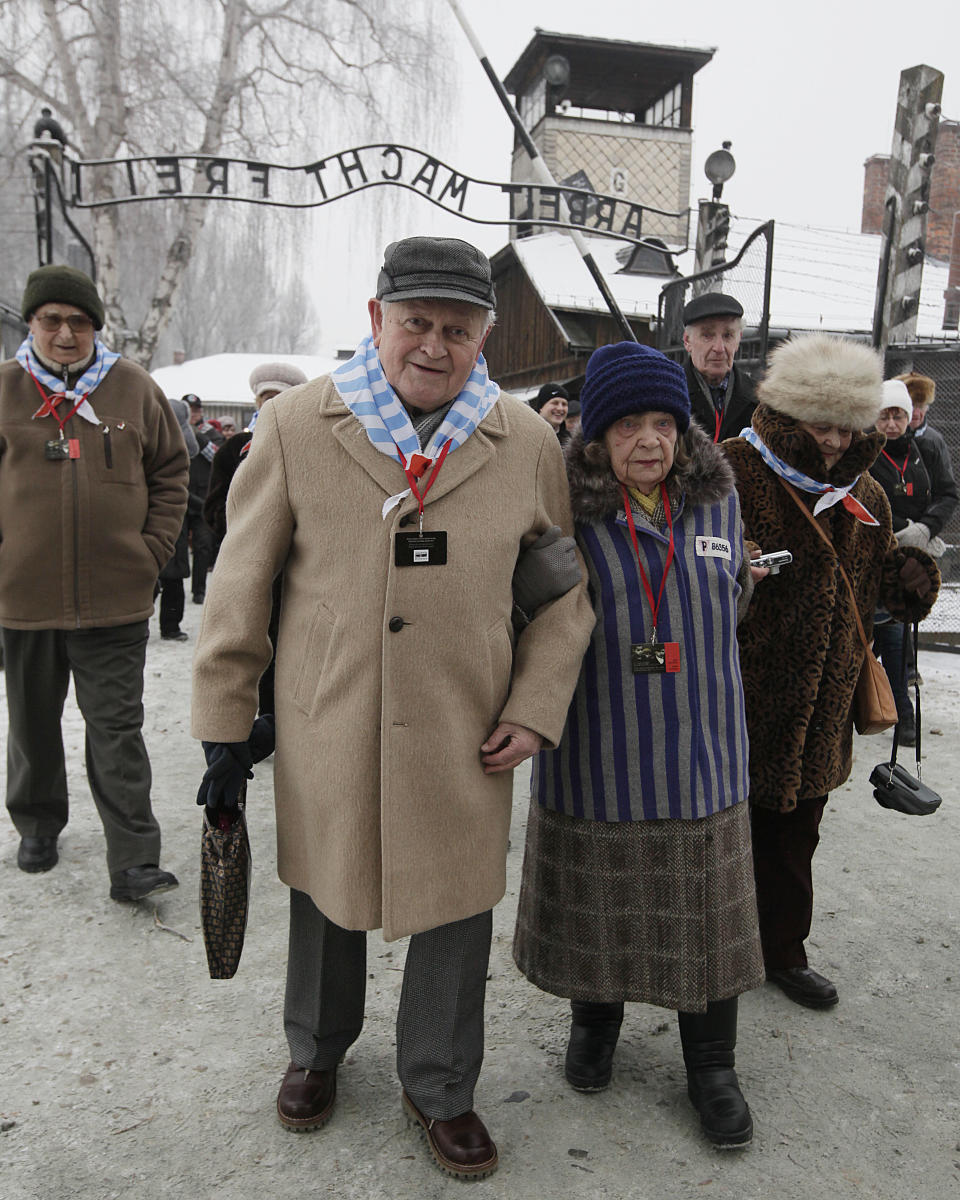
(713, 220)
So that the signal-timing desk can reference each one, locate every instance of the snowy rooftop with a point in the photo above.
(822, 278)
(225, 378)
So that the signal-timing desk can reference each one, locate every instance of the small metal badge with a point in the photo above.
(55, 450)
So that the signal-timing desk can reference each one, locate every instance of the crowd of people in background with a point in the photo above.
(581, 575)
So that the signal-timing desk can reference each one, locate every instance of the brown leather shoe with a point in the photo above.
(461, 1147)
(305, 1100)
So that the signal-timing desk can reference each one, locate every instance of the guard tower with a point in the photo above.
(613, 117)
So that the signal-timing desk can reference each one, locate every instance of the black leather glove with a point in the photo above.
(263, 737)
(228, 767)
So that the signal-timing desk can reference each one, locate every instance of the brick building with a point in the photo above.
(944, 191)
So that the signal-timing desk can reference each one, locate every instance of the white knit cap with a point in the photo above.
(895, 395)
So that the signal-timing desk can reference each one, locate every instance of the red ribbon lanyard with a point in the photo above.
(413, 473)
(49, 405)
(716, 432)
(654, 607)
(900, 470)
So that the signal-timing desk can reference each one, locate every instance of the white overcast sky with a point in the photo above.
(804, 91)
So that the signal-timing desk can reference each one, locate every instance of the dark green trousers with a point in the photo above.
(107, 668)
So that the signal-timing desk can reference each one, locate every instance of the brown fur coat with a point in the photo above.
(800, 652)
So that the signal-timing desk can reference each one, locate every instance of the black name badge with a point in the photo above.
(655, 658)
(420, 549)
(56, 450)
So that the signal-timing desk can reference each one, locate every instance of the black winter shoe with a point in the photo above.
(805, 986)
(37, 854)
(136, 883)
(593, 1039)
(708, 1041)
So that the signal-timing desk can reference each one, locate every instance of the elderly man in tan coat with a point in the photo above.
(395, 496)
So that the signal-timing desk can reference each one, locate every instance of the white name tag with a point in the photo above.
(711, 547)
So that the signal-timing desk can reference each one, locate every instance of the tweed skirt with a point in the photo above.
(663, 912)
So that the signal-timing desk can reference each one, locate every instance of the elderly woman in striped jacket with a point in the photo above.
(637, 878)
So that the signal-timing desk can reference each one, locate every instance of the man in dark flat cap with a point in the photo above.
(721, 394)
(396, 497)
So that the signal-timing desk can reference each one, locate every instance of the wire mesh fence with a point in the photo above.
(746, 276)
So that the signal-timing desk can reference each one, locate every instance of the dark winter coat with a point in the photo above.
(738, 405)
(222, 470)
(209, 440)
(800, 652)
(931, 492)
(644, 747)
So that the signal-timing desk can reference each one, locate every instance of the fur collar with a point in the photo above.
(797, 448)
(595, 493)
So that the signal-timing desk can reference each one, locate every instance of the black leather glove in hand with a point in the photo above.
(228, 766)
(263, 738)
(546, 570)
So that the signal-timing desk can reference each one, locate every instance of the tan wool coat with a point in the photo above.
(388, 679)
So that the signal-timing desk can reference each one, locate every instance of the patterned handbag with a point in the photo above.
(225, 872)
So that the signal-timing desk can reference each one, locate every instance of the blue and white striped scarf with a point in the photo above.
(91, 378)
(364, 389)
(829, 493)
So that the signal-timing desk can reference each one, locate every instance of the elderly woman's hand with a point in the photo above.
(758, 573)
(508, 746)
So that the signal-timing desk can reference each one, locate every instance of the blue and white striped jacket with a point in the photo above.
(662, 746)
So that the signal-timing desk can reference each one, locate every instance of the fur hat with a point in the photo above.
(895, 395)
(921, 388)
(56, 284)
(825, 379)
(627, 378)
(275, 377)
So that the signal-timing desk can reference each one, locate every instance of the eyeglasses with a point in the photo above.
(78, 322)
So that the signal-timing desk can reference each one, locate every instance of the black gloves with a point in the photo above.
(228, 768)
(263, 737)
(229, 764)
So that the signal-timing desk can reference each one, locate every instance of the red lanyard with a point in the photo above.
(654, 607)
(899, 470)
(716, 432)
(50, 403)
(413, 474)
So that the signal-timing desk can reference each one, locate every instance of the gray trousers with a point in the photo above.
(107, 668)
(440, 1018)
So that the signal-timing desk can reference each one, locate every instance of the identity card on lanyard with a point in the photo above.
(421, 549)
(653, 657)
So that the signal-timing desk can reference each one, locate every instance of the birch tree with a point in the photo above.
(212, 77)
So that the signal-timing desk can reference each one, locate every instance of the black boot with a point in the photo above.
(593, 1039)
(708, 1041)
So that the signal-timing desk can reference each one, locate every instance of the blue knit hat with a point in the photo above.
(627, 378)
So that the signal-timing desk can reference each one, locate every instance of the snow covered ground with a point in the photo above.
(126, 1072)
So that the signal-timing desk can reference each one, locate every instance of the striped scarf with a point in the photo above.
(829, 494)
(364, 389)
(91, 378)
